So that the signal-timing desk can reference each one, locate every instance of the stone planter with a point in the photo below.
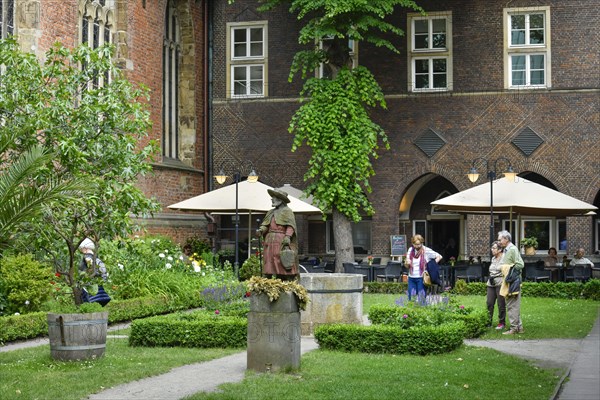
(273, 333)
(77, 336)
(334, 298)
(530, 251)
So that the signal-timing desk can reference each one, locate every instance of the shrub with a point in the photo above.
(591, 289)
(198, 329)
(429, 311)
(19, 327)
(251, 267)
(25, 283)
(391, 339)
(197, 245)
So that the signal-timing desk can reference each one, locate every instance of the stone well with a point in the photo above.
(334, 298)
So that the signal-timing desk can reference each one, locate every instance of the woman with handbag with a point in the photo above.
(493, 286)
(417, 258)
(280, 241)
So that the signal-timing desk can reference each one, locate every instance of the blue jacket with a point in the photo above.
(434, 271)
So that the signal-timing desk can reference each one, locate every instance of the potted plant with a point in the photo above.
(529, 244)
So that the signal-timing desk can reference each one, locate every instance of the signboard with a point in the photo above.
(398, 245)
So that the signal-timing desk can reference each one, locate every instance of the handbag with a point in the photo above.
(287, 257)
(426, 278)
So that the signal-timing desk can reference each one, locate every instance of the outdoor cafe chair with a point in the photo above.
(393, 270)
(470, 273)
(578, 272)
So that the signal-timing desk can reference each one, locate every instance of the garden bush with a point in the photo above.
(198, 329)
(25, 284)
(559, 290)
(251, 267)
(432, 310)
(391, 339)
(20, 327)
(385, 287)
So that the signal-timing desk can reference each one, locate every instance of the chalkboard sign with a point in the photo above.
(398, 245)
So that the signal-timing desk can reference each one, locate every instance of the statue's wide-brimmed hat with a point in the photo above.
(280, 194)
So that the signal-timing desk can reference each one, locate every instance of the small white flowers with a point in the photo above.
(17, 313)
(162, 255)
(196, 268)
(168, 266)
(26, 302)
(169, 258)
(181, 257)
(121, 267)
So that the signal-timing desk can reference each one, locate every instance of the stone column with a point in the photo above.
(273, 333)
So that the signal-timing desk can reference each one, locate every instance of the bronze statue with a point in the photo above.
(280, 239)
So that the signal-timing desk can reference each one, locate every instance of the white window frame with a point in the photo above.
(248, 61)
(526, 49)
(551, 232)
(430, 53)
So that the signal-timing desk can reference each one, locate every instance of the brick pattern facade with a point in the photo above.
(479, 118)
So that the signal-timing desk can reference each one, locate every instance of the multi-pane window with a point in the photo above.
(171, 60)
(430, 56)
(527, 52)
(96, 23)
(247, 60)
(7, 18)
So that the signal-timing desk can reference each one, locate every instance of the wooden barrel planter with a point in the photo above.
(77, 336)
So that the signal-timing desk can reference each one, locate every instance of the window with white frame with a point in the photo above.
(171, 66)
(430, 55)
(324, 71)
(527, 47)
(247, 60)
(540, 229)
(96, 24)
(7, 18)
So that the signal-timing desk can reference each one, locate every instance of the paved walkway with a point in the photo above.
(580, 359)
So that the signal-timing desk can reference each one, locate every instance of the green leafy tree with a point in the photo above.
(78, 107)
(334, 118)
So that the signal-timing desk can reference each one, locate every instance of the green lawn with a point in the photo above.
(467, 373)
(543, 318)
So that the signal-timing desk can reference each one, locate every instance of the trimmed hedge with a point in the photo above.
(391, 339)
(416, 317)
(19, 327)
(560, 290)
(198, 329)
(27, 326)
(385, 287)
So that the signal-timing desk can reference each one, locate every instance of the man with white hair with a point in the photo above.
(94, 267)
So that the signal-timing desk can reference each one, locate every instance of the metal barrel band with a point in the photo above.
(73, 348)
(75, 323)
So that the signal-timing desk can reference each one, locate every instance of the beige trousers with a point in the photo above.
(513, 309)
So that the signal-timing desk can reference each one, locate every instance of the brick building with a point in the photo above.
(517, 79)
(474, 78)
(160, 44)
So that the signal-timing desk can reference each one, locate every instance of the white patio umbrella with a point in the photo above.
(519, 196)
(252, 197)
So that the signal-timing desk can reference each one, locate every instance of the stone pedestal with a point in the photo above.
(273, 333)
(334, 298)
